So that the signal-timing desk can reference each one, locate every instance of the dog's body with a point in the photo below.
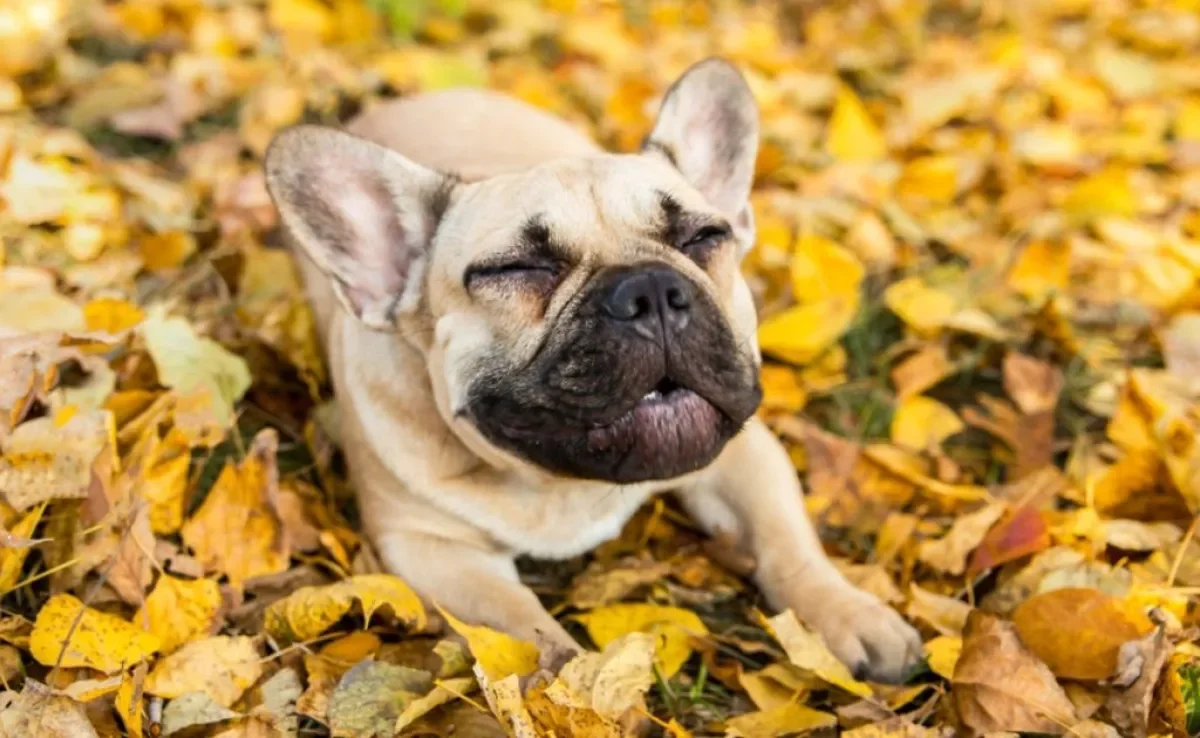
(490, 335)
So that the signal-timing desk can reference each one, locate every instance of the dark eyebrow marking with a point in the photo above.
(678, 225)
(537, 239)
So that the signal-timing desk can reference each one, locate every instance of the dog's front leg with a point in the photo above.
(477, 586)
(752, 494)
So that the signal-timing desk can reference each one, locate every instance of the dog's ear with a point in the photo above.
(364, 214)
(708, 129)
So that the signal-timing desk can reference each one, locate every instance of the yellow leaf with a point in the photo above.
(673, 628)
(807, 650)
(164, 486)
(949, 553)
(69, 634)
(609, 683)
(39, 712)
(178, 610)
(443, 691)
(163, 252)
(498, 654)
(12, 558)
(1043, 267)
(30, 303)
(237, 530)
(942, 654)
(110, 315)
(1108, 192)
(802, 333)
(788, 719)
(1187, 120)
(921, 424)
(852, 134)
(777, 685)
(782, 390)
(302, 20)
(194, 365)
(223, 667)
(947, 615)
(129, 701)
(822, 270)
(926, 309)
(310, 611)
(932, 178)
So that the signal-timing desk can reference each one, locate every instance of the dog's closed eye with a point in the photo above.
(704, 240)
(537, 273)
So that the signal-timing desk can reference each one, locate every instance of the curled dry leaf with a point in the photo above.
(222, 667)
(498, 654)
(608, 683)
(672, 627)
(1021, 532)
(999, 685)
(947, 615)
(310, 611)
(67, 633)
(1139, 669)
(39, 712)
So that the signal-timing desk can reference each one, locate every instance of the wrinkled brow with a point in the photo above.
(677, 224)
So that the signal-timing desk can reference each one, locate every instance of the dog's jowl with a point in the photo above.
(529, 336)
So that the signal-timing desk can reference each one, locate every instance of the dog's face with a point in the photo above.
(585, 316)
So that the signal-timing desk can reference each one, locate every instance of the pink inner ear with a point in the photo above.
(378, 253)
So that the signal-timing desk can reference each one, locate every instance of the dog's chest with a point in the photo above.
(555, 523)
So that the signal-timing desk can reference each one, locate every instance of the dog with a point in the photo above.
(529, 336)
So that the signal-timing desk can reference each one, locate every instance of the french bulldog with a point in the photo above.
(529, 336)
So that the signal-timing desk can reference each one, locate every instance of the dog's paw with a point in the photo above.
(868, 636)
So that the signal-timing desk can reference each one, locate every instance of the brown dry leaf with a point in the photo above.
(10, 664)
(67, 633)
(922, 370)
(178, 610)
(193, 709)
(222, 667)
(310, 611)
(949, 553)
(237, 530)
(39, 712)
(999, 685)
(1139, 668)
(1079, 632)
(603, 584)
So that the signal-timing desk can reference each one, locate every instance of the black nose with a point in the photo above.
(649, 294)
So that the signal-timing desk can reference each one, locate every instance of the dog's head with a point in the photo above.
(586, 316)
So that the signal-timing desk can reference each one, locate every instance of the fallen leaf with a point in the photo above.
(999, 685)
(310, 611)
(371, 696)
(852, 134)
(192, 709)
(443, 692)
(68, 634)
(45, 459)
(943, 653)
(949, 553)
(609, 683)
(15, 547)
(1019, 533)
(922, 424)
(38, 712)
(1139, 668)
(672, 627)
(1078, 632)
(128, 701)
(237, 530)
(192, 365)
(326, 667)
(807, 650)
(498, 654)
(780, 721)
(947, 615)
(179, 610)
(222, 667)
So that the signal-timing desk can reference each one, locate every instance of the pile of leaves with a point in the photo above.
(978, 271)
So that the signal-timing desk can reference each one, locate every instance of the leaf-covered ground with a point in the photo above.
(978, 272)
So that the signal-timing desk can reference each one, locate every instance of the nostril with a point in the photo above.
(678, 299)
(641, 306)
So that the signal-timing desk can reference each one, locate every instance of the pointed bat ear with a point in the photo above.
(363, 213)
(708, 129)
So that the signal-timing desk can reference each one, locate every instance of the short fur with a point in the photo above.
(528, 337)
